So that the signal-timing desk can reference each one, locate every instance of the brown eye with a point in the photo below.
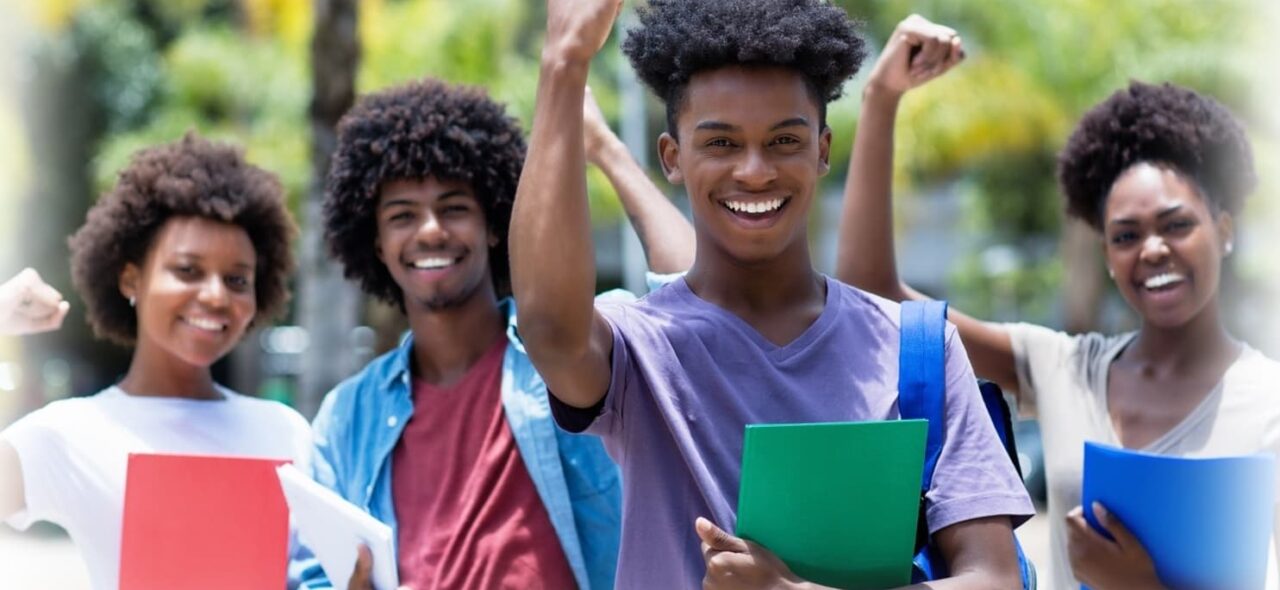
(1124, 237)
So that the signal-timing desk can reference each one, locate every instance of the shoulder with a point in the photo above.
(1085, 348)
(60, 411)
(282, 416)
(865, 306)
(664, 303)
(1254, 371)
(59, 419)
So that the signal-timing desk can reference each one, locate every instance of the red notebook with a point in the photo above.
(200, 522)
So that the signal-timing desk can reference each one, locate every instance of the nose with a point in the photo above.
(431, 232)
(213, 291)
(755, 170)
(1154, 249)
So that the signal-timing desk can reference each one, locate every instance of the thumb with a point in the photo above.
(360, 577)
(717, 539)
(1123, 537)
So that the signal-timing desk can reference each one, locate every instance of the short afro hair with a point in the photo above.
(410, 132)
(192, 177)
(1160, 124)
(679, 38)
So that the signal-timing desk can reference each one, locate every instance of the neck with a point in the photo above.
(784, 281)
(1203, 340)
(154, 374)
(447, 342)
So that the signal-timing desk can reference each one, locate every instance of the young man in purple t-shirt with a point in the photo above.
(753, 333)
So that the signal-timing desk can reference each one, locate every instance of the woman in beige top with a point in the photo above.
(1159, 171)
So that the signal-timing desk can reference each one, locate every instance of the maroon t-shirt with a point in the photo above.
(468, 513)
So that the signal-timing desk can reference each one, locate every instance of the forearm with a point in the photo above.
(865, 255)
(552, 256)
(971, 581)
(665, 233)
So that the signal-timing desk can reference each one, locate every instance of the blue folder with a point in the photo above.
(1205, 522)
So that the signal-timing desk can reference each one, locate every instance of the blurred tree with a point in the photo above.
(329, 304)
(112, 76)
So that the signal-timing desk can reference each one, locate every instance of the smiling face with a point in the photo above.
(434, 240)
(194, 293)
(1164, 244)
(750, 152)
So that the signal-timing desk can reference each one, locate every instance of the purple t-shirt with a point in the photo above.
(688, 376)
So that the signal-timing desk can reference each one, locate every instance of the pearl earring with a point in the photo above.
(1230, 246)
(133, 301)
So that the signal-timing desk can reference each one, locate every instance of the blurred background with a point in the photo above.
(84, 83)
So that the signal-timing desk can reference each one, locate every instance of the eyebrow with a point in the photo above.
(1170, 210)
(793, 122)
(722, 126)
(394, 201)
(198, 258)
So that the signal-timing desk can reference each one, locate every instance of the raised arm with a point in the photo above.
(11, 483)
(553, 271)
(665, 234)
(918, 52)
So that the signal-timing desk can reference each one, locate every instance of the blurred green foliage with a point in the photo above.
(238, 69)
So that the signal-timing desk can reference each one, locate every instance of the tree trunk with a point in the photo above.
(328, 304)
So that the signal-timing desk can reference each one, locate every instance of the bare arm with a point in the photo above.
(12, 495)
(553, 271)
(919, 51)
(665, 234)
(980, 555)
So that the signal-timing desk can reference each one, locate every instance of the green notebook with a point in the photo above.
(836, 501)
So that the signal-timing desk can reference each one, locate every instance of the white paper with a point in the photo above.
(334, 528)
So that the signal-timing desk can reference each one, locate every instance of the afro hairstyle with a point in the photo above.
(1161, 124)
(192, 177)
(676, 39)
(411, 132)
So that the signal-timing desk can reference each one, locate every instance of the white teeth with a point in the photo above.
(206, 324)
(755, 206)
(1163, 280)
(432, 263)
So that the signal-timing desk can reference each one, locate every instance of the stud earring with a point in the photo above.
(133, 301)
(1229, 248)
(1111, 272)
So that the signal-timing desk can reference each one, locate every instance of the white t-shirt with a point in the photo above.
(74, 455)
(1062, 381)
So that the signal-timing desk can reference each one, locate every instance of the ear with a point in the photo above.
(824, 151)
(1226, 233)
(377, 250)
(669, 156)
(129, 279)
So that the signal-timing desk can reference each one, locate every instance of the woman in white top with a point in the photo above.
(177, 260)
(1159, 171)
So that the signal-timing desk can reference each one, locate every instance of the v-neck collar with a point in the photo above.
(776, 353)
(1163, 443)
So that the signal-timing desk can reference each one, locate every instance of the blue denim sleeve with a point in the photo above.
(304, 568)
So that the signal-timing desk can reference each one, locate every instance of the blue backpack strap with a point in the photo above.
(922, 379)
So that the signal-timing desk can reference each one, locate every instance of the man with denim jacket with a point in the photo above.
(449, 438)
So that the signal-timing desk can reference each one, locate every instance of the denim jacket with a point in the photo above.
(361, 420)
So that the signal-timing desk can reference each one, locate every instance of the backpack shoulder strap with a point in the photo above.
(922, 378)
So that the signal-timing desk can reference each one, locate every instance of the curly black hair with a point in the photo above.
(1161, 124)
(679, 38)
(410, 132)
(192, 177)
